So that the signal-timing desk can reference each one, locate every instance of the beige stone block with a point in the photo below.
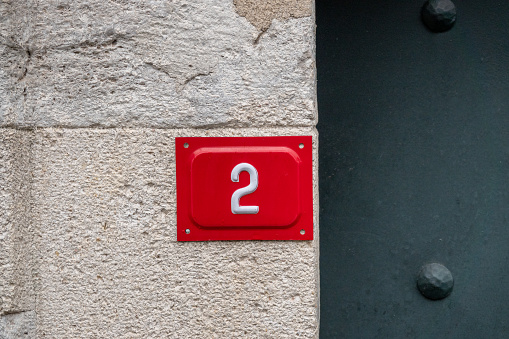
(16, 232)
(13, 61)
(110, 265)
(19, 325)
(132, 63)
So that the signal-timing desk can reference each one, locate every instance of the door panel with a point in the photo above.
(414, 168)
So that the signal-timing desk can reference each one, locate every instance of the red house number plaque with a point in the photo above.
(253, 188)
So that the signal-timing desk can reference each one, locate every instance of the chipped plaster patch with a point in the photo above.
(18, 325)
(261, 13)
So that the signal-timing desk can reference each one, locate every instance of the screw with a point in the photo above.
(435, 281)
(439, 15)
(188, 231)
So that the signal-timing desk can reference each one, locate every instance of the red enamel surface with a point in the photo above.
(284, 194)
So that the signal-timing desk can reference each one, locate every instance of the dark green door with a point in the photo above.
(414, 168)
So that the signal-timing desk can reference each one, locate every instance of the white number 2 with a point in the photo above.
(253, 185)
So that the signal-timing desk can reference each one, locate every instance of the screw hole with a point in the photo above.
(301, 145)
(188, 231)
(186, 145)
(302, 232)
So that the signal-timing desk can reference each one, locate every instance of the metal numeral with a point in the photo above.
(253, 185)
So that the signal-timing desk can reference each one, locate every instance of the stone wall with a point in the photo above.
(92, 95)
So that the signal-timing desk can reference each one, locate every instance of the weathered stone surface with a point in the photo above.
(261, 13)
(105, 206)
(87, 216)
(159, 64)
(13, 61)
(18, 325)
(16, 233)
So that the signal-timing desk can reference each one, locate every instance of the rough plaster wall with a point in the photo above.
(87, 215)
(162, 64)
(110, 263)
(16, 233)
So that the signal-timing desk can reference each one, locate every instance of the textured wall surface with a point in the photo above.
(16, 230)
(158, 64)
(261, 13)
(92, 95)
(20, 325)
(107, 199)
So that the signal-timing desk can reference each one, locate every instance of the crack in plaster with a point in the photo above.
(180, 84)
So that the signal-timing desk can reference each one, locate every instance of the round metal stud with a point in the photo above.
(435, 281)
(439, 15)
